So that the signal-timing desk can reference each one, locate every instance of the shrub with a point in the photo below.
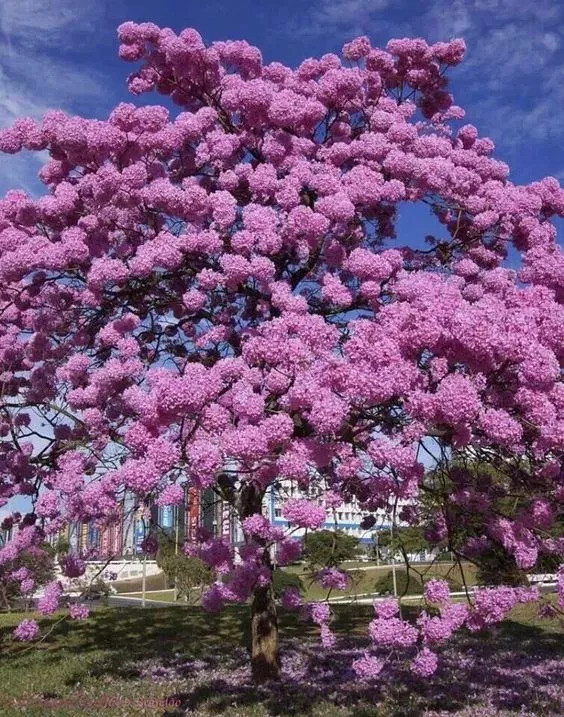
(183, 571)
(281, 580)
(39, 562)
(385, 585)
(329, 548)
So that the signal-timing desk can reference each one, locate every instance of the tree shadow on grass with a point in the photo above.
(477, 672)
(512, 666)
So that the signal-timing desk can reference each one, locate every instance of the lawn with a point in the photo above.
(365, 576)
(160, 595)
(152, 582)
(127, 661)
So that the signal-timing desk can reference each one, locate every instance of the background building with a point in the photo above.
(202, 509)
(346, 517)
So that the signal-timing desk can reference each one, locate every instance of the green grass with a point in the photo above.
(364, 581)
(152, 582)
(80, 667)
(161, 595)
(81, 663)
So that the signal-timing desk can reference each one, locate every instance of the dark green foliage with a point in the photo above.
(281, 580)
(410, 539)
(97, 590)
(385, 585)
(182, 571)
(328, 548)
(62, 546)
(548, 564)
(497, 567)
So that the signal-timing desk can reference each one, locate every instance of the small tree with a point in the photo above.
(185, 572)
(282, 580)
(458, 525)
(405, 540)
(20, 577)
(329, 548)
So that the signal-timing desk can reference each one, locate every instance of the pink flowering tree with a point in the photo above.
(217, 297)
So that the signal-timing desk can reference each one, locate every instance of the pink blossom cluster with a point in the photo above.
(333, 578)
(49, 602)
(320, 613)
(304, 513)
(437, 591)
(78, 612)
(288, 551)
(27, 630)
(260, 527)
(291, 599)
(368, 667)
(489, 606)
(72, 565)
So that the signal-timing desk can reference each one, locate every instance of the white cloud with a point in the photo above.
(343, 12)
(352, 17)
(512, 79)
(36, 71)
(49, 23)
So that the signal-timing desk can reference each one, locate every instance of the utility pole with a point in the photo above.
(176, 553)
(144, 579)
(394, 580)
(377, 549)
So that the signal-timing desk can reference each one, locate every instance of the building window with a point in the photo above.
(278, 513)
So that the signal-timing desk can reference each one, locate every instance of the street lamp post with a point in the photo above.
(144, 579)
(394, 580)
(176, 553)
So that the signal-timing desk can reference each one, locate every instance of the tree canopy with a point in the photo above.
(217, 296)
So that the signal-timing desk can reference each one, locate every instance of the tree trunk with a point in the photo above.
(265, 656)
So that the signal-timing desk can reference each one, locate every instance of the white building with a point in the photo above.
(346, 517)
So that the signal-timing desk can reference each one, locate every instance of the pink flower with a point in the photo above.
(328, 638)
(392, 632)
(289, 551)
(27, 586)
(368, 667)
(320, 612)
(386, 608)
(261, 527)
(437, 591)
(291, 599)
(424, 664)
(26, 630)
(333, 578)
(304, 513)
(171, 495)
(72, 566)
(79, 612)
(48, 604)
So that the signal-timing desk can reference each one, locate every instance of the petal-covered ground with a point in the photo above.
(475, 677)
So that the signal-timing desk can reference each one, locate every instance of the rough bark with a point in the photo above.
(265, 656)
(264, 643)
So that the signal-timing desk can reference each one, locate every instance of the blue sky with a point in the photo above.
(63, 53)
